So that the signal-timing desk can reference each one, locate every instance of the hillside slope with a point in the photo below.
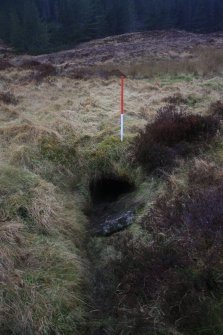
(59, 135)
(128, 47)
(119, 52)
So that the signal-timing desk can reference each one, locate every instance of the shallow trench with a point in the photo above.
(109, 215)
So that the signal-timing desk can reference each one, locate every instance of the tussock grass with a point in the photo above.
(41, 266)
(24, 133)
(44, 298)
(8, 114)
(26, 197)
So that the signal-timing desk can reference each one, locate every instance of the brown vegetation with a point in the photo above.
(176, 99)
(216, 108)
(8, 98)
(138, 55)
(170, 136)
(167, 279)
(5, 64)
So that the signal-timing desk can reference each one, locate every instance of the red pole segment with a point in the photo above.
(122, 94)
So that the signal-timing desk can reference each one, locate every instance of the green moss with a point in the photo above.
(192, 100)
(59, 152)
(14, 179)
(169, 79)
(215, 84)
(16, 187)
(111, 148)
(107, 156)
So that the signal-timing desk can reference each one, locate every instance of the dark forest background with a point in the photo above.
(45, 25)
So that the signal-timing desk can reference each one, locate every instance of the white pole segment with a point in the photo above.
(122, 127)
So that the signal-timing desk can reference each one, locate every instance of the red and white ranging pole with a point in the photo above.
(122, 107)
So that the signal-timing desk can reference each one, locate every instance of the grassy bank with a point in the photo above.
(57, 135)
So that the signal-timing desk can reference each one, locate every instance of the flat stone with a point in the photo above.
(114, 224)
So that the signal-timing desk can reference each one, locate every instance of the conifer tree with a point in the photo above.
(34, 30)
(17, 36)
(41, 25)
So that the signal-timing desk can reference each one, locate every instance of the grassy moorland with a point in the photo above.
(59, 130)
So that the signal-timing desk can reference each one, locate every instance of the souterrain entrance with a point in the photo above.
(108, 188)
(109, 214)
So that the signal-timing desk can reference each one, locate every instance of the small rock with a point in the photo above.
(115, 224)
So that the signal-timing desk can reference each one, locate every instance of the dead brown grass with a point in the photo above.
(5, 64)
(8, 114)
(44, 208)
(26, 133)
(206, 62)
(10, 232)
(205, 173)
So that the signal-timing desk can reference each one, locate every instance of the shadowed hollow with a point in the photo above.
(108, 188)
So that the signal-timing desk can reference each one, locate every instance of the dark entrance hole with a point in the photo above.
(108, 188)
(23, 212)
